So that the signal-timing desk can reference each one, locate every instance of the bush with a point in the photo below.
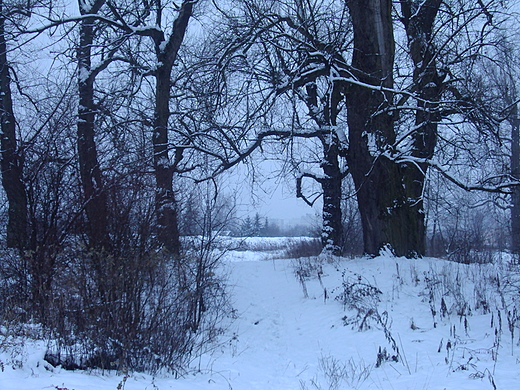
(338, 374)
(143, 312)
(359, 295)
(128, 308)
(14, 288)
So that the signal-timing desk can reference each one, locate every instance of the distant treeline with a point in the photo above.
(259, 226)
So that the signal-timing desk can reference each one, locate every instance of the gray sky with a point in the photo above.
(272, 197)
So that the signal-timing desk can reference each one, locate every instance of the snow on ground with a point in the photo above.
(283, 340)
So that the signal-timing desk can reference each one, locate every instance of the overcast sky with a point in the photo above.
(261, 191)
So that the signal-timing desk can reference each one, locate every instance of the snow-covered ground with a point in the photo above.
(446, 323)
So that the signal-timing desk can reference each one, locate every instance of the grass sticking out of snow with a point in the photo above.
(396, 324)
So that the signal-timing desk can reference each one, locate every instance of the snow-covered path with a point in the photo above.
(277, 343)
(282, 341)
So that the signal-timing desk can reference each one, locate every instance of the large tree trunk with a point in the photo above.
(418, 19)
(165, 204)
(387, 216)
(369, 133)
(515, 172)
(94, 196)
(11, 159)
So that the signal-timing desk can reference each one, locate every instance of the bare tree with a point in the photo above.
(166, 41)
(166, 50)
(442, 46)
(502, 69)
(94, 195)
(514, 120)
(12, 153)
(273, 60)
(394, 110)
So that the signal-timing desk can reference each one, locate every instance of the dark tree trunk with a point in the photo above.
(369, 133)
(12, 160)
(94, 196)
(165, 204)
(387, 216)
(332, 230)
(324, 110)
(515, 172)
(418, 19)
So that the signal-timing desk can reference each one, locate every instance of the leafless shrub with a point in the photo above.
(466, 240)
(359, 295)
(145, 313)
(14, 288)
(337, 372)
(120, 319)
(264, 245)
(289, 247)
(135, 308)
(466, 254)
(307, 268)
(128, 306)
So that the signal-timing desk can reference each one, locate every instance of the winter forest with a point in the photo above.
(125, 261)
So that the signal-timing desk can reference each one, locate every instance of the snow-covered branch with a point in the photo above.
(502, 188)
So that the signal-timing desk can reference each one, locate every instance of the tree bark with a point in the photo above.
(94, 196)
(418, 19)
(387, 214)
(332, 230)
(373, 55)
(324, 111)
(165, 203)
(12, 159)
(515, 172)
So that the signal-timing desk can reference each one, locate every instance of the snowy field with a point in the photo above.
(382, 323)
